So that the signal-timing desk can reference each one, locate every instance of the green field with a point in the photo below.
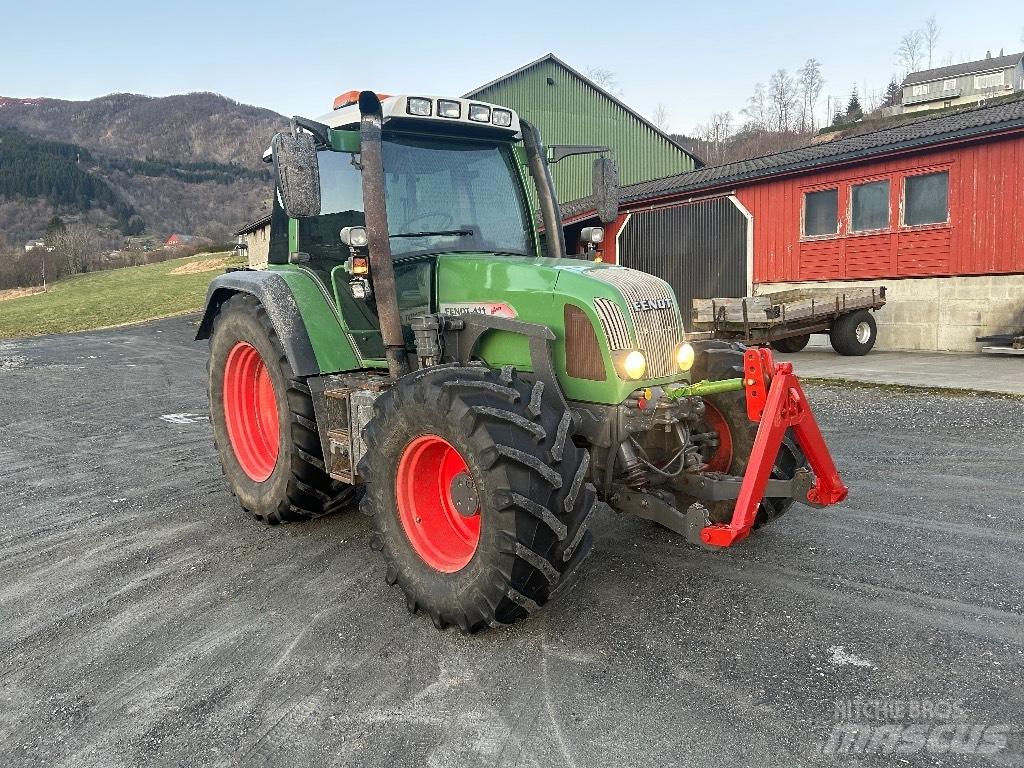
(114, 297)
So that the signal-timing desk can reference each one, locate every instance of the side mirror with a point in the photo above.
(297, 173)
(606, 189)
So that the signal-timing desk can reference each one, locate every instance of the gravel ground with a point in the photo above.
(146, 620)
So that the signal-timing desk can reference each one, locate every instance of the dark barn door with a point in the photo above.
(700, 249)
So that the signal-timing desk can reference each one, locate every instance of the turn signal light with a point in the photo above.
(360, 266)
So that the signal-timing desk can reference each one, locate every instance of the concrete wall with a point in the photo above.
(942, 314)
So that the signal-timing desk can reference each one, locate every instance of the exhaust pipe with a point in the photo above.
(381, 269)
(538, 163)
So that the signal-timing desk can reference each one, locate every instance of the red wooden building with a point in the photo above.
(931, 208)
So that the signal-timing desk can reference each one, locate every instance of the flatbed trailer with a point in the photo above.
(1002, 343)
(785, 320)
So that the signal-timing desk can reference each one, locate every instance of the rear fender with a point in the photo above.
(313, 339)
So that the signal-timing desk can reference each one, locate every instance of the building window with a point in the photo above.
(821, 212)
(981, 82)
(921, 90)
(949, 85)
(869, 206)
(926, 199)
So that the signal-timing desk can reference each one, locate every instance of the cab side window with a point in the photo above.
(341, 206)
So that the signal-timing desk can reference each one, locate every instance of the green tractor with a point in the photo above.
(418, 342)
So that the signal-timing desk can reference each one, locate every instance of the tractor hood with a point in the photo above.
(627, 309)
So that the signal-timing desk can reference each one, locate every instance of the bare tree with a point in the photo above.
(660, 118)
(910, 51)
(605, 78)
(756, 110)
(930, 33)
(782, 100)
(810, 83)
(713, 136)
(77, 245)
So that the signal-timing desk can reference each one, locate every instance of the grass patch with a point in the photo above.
(114, 297)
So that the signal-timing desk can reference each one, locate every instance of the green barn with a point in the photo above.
(568, 108)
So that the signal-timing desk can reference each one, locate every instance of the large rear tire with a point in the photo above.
(263, 423)
(854, 334)
(726, 414)
(479, 496)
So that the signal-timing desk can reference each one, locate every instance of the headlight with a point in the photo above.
(684, 356)
(631, 364)
(418, 106)
(502, 118)
(446, 108)
(479, 113)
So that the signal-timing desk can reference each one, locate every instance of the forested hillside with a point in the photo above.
(123, 163)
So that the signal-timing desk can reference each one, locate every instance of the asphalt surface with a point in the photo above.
(146, 620)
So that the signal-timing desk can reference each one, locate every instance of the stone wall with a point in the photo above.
(941, 314)
(258, 246)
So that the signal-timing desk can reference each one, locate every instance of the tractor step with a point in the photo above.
(343, 405)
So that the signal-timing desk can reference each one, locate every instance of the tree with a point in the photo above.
(660, 118)
(604, 78)
(782, 100)
(910, 50)
(713, 136)
(930, 34)
(854, 111)
(756, 110)
(76, 245)
(810, 83)
(893, 94)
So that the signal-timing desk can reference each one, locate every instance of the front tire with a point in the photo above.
(791, 343)
(479, 496)
(263, 422)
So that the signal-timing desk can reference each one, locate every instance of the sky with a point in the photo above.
(694, 58)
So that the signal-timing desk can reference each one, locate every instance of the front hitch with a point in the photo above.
(776, 402)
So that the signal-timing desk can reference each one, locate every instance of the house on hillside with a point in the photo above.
(254, 240)
(926, 208)
(963, 83)
(32, 245)
(569, 108)
(178, 239)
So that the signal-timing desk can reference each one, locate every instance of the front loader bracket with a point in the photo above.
(777, 402)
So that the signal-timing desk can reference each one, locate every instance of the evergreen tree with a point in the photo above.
(893, 94)
(854, 111)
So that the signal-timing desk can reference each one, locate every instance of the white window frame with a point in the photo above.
(991, 80)
(920, 90)
(949, 84)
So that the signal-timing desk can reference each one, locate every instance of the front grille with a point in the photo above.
(582, 352)
(658, 331)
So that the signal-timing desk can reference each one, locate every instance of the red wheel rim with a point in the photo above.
(445, 539)
(721, 460)
(250, 410)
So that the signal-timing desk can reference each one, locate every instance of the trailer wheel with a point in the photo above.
(726, 414)
(479, 496)
(791, 343)
(854, 334)
(263, 423)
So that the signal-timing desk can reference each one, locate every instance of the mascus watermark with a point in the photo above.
(883, 726)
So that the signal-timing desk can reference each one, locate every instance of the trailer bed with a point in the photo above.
(781, 315)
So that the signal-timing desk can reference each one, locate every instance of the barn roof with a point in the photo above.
(550, 57)
(252, 226)
(967, 68)
(910, 136)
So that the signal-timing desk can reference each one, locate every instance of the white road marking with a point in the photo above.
(183, 418)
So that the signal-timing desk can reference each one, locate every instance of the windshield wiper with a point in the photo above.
(440, 232)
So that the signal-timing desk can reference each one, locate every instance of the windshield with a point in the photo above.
(447, 194)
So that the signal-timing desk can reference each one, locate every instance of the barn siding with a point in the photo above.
(572, 111)
(985, 196)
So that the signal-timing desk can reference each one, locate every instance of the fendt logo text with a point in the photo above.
(646, 305)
